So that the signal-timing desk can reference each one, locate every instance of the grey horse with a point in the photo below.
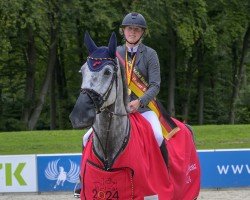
(107, 172)
(101, 106)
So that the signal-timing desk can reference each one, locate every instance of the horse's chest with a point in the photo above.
(129, 172)
(136, 173)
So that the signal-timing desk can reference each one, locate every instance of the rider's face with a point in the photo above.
(133, 33)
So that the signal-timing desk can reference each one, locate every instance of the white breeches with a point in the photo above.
(155, 124)
(86, 136)
(151, 117)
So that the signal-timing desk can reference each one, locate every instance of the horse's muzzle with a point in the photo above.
(83, 113)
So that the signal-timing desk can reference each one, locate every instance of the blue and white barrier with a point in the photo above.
(225, 168)
(59, 172)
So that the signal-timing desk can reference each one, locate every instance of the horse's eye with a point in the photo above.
(107, 72)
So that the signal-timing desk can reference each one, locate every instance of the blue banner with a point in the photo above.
(219, 169)
(58, 172)
(225, 168)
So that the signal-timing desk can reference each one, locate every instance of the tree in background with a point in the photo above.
(203, 48)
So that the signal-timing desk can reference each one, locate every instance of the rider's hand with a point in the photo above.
(134, 105)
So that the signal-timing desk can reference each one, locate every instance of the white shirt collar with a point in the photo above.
(133, 49)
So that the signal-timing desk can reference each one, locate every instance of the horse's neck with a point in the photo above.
(113, 130)
(111, 138)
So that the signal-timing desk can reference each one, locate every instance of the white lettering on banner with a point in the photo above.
(235, 169)
(248, 169)
(222, 169)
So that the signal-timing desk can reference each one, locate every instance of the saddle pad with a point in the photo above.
(141, 155)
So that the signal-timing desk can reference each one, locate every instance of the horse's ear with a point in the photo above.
(112, 45)
(89, 43)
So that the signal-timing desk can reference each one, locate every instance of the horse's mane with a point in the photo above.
(125, 87)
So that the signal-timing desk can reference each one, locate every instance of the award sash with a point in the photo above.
(138, 85)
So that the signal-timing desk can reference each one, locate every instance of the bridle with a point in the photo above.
(108, 165)
(99, 100)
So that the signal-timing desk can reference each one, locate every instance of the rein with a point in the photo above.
(113, 113)
(107, 165)
(98, 101)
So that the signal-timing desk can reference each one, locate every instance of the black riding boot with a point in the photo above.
(164, 152)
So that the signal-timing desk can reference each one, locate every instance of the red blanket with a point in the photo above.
(139, 171)
(184, 164)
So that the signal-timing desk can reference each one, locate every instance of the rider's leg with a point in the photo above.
(86, 137)
(156, 126)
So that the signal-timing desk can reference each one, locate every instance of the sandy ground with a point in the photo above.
(226, 194)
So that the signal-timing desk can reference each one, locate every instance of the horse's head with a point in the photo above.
(99, 83)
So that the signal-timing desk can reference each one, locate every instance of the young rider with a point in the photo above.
(143, 61)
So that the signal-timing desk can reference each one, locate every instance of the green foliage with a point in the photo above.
(212, 27)
(243, 106)
(12, 124)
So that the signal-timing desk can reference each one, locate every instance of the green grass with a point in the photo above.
(70, 141)
(222, 136)
(37, 142)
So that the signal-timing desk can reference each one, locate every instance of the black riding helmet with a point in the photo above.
(134, 19)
